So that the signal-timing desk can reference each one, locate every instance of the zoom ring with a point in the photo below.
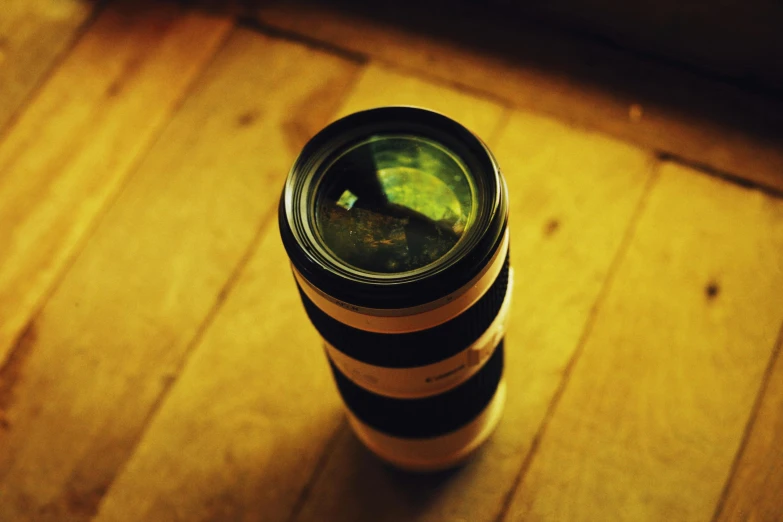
(421, 348)
(428, 417)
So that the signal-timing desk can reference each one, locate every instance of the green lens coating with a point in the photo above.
(394, 204)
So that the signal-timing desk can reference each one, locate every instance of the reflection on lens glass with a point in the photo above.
(394, 203)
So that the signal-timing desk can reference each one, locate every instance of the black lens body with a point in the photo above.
(417, 354)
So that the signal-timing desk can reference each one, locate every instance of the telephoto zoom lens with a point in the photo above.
(395, 222)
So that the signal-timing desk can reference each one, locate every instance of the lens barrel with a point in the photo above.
(395, 222)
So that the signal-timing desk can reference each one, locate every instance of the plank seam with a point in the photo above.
(465, 88)
(10, 373)
(748, 431)
(654, 168)
(77, 35)
(319, 468)
(256, 25)
(501, 126)
(734, 179)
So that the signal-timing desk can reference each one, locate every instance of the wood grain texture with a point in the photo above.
(112, 338)
(75, 143)
(655, 407)
(381, 86)
(572, 197)
(33, 36)
(754, 492)
(256, 406)
(572, 79)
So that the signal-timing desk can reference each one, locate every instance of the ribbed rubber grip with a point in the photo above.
(427, 417)
(409, 350)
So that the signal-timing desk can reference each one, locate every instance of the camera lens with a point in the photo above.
(395, 221)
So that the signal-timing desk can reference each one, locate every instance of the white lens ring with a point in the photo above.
(435, 453)
(432, 379)
(409, 319)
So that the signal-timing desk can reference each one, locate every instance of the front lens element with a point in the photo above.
(393, 204)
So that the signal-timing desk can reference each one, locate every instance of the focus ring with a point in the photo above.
(421, 348)
(428, 417)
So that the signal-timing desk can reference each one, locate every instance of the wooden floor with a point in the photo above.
(155, 362)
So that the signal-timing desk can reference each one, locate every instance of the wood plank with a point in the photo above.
(33, 37)
(75, 143)
(649, 104)
(655, 407)
(256, 405)
(754, 491)
(381, 86)
(572, 197)
(112, 338)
